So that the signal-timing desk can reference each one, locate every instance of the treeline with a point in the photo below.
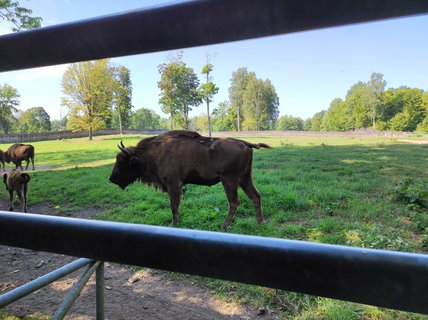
(98, 95)
(369, 105)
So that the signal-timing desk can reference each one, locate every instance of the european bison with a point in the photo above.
(2, 159)
(20, 152)
(17, 181)
(173, 159)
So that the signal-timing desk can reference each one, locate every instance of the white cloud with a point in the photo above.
(51, 72)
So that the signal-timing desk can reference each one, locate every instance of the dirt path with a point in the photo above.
(130, 294)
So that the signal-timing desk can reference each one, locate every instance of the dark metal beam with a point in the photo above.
(188, 24)
(382, 278)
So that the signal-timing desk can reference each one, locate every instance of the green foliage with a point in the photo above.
(224, 117)
(33, 120)
(18, 16)
(59, 125)
(122, 98)
(145, 119)
(88, 88)
(289, 123)
(410, 191)
(179, 87)
(9, 100)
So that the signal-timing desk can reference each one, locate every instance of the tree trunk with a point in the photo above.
(90, 132)
(209, 120)
(171, 121)
(239, 121)
(120, 122)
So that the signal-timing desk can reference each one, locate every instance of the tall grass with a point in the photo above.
(321, 189)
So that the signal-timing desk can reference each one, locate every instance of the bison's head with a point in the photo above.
(125, 170)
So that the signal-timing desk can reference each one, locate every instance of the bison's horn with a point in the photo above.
(123, 149)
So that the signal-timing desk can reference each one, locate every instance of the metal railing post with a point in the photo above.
(75, 292)
(99, 278)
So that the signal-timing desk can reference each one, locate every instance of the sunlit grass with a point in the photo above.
(320, 189)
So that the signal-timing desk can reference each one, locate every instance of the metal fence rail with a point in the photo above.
(382, 278)
(188, 24)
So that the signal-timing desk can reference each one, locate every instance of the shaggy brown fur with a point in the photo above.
(173, 159)
(20, 152)
(17, 181)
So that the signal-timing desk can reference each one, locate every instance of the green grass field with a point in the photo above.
(337, 190)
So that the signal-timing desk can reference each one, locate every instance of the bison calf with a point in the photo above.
(173, 159)
(17, 181)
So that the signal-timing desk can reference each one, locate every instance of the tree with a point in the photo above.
(18, 16)
(208, 89)
(335, 117)
(289, 123)
(260, 104)
(122, 97)
(224, 117)
(377, 88)
(88, 87)
(9, 100)
(34, 120)
(411, 110)
(316, 121)
(237, 87)
(59, 125)
(145, 119)
(179, 91)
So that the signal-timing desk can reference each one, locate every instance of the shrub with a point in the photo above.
(410, 191)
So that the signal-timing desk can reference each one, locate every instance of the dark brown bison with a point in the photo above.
(20, 152)
(2, 159)
(173, 159)
(17, 181)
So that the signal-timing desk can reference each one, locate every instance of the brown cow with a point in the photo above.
(173, 159)
(2, 159)
(20, 152)
(17, 181)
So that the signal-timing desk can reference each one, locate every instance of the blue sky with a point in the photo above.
(308, 69)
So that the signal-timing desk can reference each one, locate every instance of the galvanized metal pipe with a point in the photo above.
(377, 277)
(41, 282)
(75, 292)
(100, 291)
(188, 24)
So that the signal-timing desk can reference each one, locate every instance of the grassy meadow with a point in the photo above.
(356, 191)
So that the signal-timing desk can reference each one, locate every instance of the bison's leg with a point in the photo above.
(25, 187)
(28, 162)
(32, 162)
(251, 191)
(11, 200)
(231, 188)
(23, 201)
(174, 193)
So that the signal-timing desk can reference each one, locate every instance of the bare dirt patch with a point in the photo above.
(414, 141)
(130, 293)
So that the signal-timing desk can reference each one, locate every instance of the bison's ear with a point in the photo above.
(133, 160)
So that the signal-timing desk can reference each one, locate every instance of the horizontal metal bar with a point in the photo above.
(41, 282)
(188, 24)
(382, 278)
(75, 292)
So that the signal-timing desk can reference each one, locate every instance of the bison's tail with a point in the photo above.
(258, 145)
(25, 178)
